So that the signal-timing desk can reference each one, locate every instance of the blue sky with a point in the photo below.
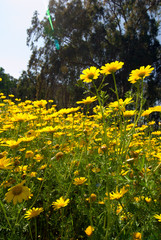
(15, 19)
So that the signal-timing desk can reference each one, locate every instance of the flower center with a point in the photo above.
(17, 190)
(90, 75)
(112, 69)
(34, 214)
(141, 74)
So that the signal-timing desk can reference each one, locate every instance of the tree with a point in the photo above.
(8, 83)
(92, 33)
(26, 88)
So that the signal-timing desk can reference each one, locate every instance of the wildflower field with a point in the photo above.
(87, 172)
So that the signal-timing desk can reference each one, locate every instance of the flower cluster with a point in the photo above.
(76, 173)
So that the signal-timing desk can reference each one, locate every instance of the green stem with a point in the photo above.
(5, 214)
(131, 132)
(35, 229)
(100, 86)
(102, 112)
(30, 232)
(116, 91)
(117, 238)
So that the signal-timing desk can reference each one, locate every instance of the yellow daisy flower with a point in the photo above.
(88, 100)
(89, 230)
(146, 113)
(80, 180)
(60, 203)
(117, 195)
(129, 113)
(59, 155)
(155, 109)
(140, 73)
(38, 157)
(31, 133)
(34, 212)
(92, 198)
(158, 217)
(89, 74)
(12, 143)
(112, 67)
(5, 163)
(17, 193)
(137, 236)
(29, 154)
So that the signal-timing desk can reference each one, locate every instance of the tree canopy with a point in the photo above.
(92, 33)
(8, 84)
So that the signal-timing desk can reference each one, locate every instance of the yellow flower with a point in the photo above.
(40, 103)
(60, 203)
(96, 169)
(76, 173)
(89, 74)
(80, 180)
(0, 79)
(34, 212)
(129, 113)
(117, 195)
(59, 155)
(155, 109)
(20, 117)
(147, 199)
(47, 129)
(22, 168)
(43, 167)
(112, 67)
(26, 139)
(158, 217)
(89, 230)
(156, 133)
(31, 133)
(17, 193)
(102, 149)
(137, 236)
(5, 163)
(119, 209)
(101, 202)
(92, 198)
(140, 73)
(12, 143)
(29, 154)
(118, 105)
(3, 97)
(33, 174)
(146, 113)
(40, 179)
(38, 157)
(88, 100)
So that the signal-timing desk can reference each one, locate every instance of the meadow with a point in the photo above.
(85, 172)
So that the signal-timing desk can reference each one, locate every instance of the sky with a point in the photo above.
(15, 19)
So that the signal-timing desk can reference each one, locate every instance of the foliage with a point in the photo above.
(69, 174)
(8, 85)
(91, 33)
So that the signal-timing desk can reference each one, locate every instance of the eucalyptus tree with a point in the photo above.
(92, 33)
